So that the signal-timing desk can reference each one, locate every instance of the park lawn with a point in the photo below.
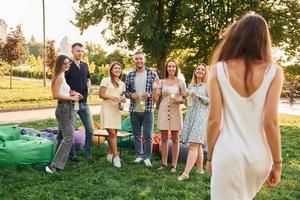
(97, 179)
(30, 94)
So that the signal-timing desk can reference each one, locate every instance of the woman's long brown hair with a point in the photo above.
(166, 68)
(59, 64)
(248, 38)
(114, 82)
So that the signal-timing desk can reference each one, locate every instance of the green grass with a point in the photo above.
(97, 179)
(30, 94)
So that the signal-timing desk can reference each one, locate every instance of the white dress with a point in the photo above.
(110, 115)
(241, 159)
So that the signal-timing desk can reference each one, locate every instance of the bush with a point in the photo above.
(31, 74)
(4, 69)
(96, 79)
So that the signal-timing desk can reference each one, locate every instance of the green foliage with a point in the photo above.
(117, 56)
(28, 94)
(36, 64)
(95, 53)
(35, 48)
(291, 86)
(161, 27)
(4, 69)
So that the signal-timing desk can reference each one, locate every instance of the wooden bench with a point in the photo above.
(121, 135)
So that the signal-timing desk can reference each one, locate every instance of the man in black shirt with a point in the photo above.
(78, 78)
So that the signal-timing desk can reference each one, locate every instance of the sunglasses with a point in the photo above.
(67, 63)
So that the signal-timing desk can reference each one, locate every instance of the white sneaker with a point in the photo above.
(147, 163)
(109, 157)
(117, 162)
(51, 170)
(138, 160)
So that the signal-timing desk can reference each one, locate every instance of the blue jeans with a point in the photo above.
(85, 116)
(142, 121)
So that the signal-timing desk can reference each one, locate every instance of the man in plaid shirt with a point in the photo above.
(139, 89)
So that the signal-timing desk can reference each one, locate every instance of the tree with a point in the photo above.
(35, 48)
(159, 27)
(147, 24)
(50, 55)
(95, 53)
(13, 51)
(118, 56)
(291, 86)
(206, 21)
(35, 63)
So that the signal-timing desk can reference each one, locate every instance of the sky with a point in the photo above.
(29, 14)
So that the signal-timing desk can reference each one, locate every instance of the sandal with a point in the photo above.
(200, 172)
(162, 167)
(183, 176)
(173, 170)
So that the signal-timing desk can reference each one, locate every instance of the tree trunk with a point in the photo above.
(161, 61)
(10, 76)
(160, 67)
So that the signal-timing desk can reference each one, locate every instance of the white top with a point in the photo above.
(140, 87)
(241, 159)
(64, 87)
(140, 82)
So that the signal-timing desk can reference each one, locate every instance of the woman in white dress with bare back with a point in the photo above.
(243, 136)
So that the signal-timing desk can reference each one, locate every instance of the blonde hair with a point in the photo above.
(194, 78)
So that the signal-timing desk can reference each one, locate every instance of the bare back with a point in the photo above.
(236, 71)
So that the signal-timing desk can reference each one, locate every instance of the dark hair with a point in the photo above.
(116, 84)
(247, 38)
(59, 63)
(166, 68)
(77, 44)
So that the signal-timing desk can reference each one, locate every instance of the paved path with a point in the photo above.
(33, 115)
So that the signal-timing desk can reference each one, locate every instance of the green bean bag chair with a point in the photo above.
(126, 125)
(9, 133)
(126, 128)
(25, 150)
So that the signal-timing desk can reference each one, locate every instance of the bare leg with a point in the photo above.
(164, 147)
(199, 161)
(175, 148)
(192, 157)
(113, 142)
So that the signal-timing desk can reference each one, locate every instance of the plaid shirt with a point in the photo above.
(130, 88)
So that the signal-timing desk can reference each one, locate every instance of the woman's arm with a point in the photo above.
(156, 90)
(215, 114)
(103, 95)
(204, 98)
(271, 126)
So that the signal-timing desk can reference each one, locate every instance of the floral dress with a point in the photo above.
(195, 122)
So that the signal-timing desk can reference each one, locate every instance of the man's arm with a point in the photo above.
(128, 91)
(89, 83)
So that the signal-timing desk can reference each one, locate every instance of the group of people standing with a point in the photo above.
(233, 111)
